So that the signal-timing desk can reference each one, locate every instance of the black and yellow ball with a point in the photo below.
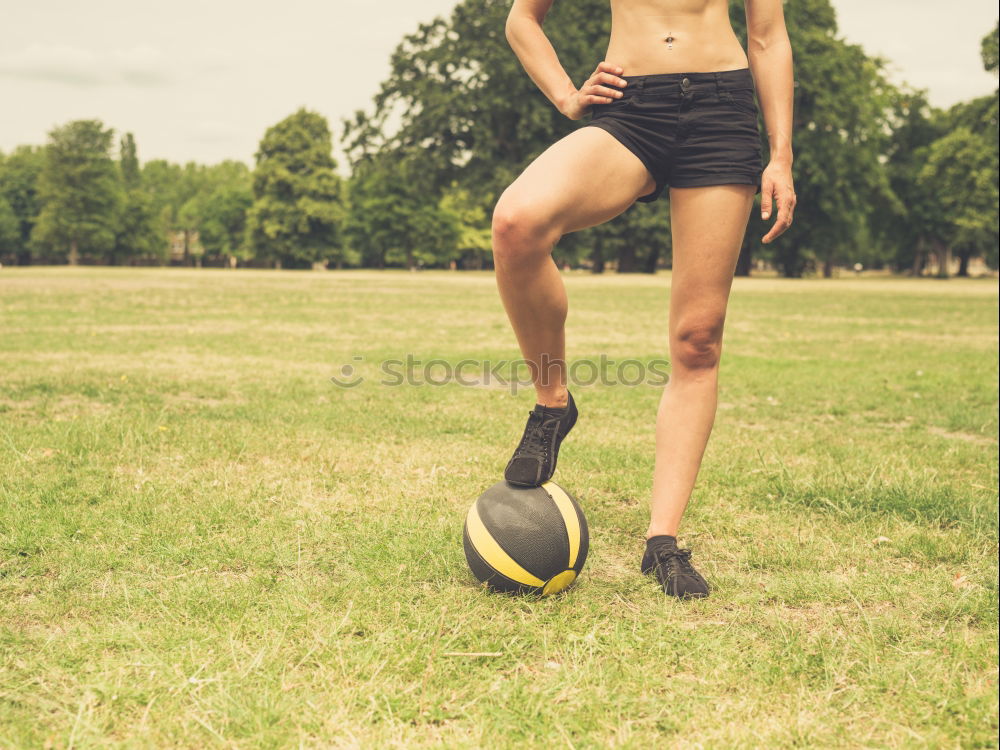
(526, 540)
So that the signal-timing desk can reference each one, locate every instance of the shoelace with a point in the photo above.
(537, 438)
(674, 561)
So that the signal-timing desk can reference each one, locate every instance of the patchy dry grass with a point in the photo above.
(205, 542)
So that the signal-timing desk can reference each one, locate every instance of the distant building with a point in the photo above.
(184, 246)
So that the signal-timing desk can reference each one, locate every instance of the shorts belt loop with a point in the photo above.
(721, 90)
(638, 86)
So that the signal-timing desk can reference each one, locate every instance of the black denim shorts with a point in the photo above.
(689, 129)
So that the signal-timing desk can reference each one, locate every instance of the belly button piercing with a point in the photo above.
(670, 42)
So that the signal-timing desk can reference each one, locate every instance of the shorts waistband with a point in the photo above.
(730, 80)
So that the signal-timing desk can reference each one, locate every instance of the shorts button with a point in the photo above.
(686, 82)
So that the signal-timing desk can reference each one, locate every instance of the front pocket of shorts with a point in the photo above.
(615, 105)
(742, 100)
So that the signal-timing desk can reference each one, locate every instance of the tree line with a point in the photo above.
(883, 178)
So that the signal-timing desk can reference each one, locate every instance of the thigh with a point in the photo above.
(707, 225)
(581, 180)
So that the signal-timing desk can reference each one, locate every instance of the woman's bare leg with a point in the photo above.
(582, 180)
(708, 224)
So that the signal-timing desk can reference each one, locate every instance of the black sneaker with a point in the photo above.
(534, 461)
(672, 568)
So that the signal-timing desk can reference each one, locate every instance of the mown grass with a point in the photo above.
(205, 542)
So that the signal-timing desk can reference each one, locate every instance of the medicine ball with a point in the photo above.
(526, 540)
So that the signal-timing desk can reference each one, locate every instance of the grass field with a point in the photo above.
(204, 542)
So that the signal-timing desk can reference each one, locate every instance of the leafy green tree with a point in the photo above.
(990, 49)
(962, 156)
(223, 214)
(166, 183)
(80, 191)
(474, 242)
(206, 205)
(171, 187)
(961, 172)
(139, 234)
(10, 235)
(219, 211)
(19, 173)
(976, 120)
(189, 217)
(915, 160)
(224, 231)
(978, 115)
(908, 222)
(128, 162)
(297, 212)
(392, 223)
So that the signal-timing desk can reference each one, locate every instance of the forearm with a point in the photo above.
(771, 64)
(539, 59)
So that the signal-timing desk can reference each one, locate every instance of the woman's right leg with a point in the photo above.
(582, 180)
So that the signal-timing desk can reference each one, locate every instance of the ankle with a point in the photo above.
(653, 532)
(553, 397)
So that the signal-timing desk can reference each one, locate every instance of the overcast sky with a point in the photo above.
(201, 80)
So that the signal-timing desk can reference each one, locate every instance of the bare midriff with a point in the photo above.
(673, 36)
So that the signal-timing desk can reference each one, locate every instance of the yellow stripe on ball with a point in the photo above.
(558, 583)
(568, 512)
(493, 554)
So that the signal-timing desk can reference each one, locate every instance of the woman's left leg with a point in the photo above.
(708, 224)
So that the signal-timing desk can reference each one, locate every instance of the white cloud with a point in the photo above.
(78, 66)
(140, 66)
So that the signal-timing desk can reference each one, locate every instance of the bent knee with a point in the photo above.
(521, 231)
(697, 345)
